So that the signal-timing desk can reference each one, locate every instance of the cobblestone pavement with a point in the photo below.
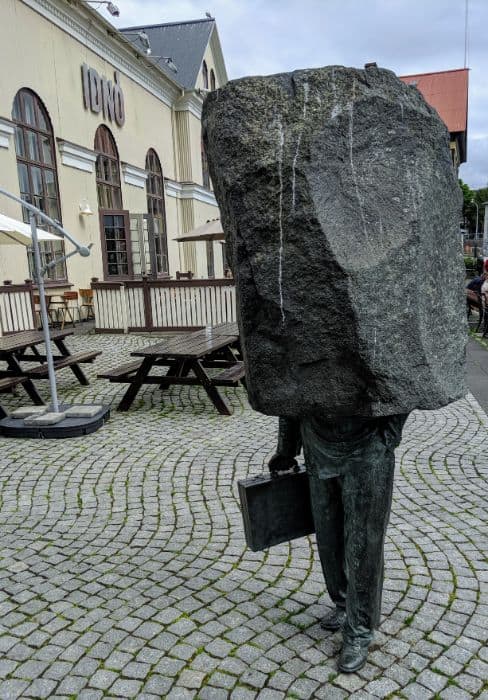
(124, 571)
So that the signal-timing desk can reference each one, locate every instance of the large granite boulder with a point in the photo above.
(341, 210)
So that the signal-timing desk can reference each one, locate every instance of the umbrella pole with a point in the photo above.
(44, 316)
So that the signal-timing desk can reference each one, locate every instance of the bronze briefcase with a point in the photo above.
(275, 508)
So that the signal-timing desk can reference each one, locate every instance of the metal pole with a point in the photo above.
(44, 316)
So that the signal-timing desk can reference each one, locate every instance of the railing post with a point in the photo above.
(146, 295)
(123, 307)
(30, 286)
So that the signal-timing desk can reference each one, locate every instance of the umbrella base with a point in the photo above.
(70, 426)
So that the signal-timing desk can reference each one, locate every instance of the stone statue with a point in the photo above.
(341, 207)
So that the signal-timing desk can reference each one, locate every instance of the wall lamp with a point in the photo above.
(143, 38)
(85, 209)
(169, 62)
(111, 8)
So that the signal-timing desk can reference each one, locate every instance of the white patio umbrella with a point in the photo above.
(12, 231)
(210, 231)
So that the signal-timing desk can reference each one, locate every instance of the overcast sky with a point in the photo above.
(406, 36)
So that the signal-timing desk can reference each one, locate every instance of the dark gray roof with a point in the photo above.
(184, 42)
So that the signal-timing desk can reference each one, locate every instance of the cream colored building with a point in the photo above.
(90, 122)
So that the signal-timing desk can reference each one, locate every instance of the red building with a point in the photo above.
(447, 92)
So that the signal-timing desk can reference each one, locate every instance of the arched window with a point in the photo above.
(155, 208)
(205, 75)
(212, 79)
(108, 172)
(114, 221)
(36, 167)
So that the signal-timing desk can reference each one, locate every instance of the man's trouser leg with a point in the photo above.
(351, 514)
(328, 517)
(366, 495)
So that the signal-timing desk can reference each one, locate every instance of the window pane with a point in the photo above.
(23, 178)
(39, 202)
(50, 183)
(32, 145)
(19, 142)
(29, 109)
(46, 150)
(36, 176)
(41, 119)
(53, 209)
(117, 198)
(99, 168)
(16, 112)
(114, 176)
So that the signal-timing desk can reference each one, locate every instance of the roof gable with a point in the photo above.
(447, 92)
(184, 42)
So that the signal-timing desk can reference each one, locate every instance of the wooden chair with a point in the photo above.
(70, 304)
(87, 303)
(37, 308)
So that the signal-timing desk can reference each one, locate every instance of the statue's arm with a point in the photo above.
(289, 445)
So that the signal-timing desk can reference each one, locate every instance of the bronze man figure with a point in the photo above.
(350, 463)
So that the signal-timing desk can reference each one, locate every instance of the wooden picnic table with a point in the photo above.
(22, 347)
(187, 356)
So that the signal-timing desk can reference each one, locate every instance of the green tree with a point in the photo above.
(481, 197)
(468, 198)
(471, 200)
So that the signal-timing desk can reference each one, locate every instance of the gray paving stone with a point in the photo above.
(382, 687)
(90, 694)
(191, 679)
(469, 682)
(415, 691)
(72, 685)
(454, 693)
(254, 678)
(270, 694)
(181, 694)
(328, 692)
(41, 688)
(210, 692)
(242, 693)
(126, 688)
(13, 688)
(102, 679)
(158, 685)
(303, 688)
(136, 670)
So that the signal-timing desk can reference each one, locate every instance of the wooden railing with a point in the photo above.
(16, 308)
(158, 305)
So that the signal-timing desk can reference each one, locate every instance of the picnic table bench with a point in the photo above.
(7, 383)
(187, 357)
(18, 348)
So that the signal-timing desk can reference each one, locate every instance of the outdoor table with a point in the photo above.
(187, 356)
(14, 351)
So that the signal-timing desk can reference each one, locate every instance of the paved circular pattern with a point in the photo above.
(124, 571)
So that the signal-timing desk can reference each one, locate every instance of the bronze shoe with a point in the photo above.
(353, 656)
(334, 619)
